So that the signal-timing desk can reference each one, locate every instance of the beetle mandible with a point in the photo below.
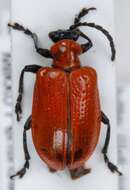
(66, 114)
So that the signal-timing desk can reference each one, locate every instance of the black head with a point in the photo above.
(57, 35)
(73, 33)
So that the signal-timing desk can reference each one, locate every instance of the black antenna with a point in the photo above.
(82, 13)
(77, 24)
(104, 31)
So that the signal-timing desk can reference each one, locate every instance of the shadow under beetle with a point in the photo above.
(66, 114)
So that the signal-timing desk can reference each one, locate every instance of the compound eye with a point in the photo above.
(54, 36)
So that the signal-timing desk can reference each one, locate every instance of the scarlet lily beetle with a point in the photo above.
(66, 115)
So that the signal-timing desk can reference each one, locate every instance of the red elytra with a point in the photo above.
(66, 114)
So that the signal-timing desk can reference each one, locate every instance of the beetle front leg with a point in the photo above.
(44, 52)
(18, 107)
(110, 165)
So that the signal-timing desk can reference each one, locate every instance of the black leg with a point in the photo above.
(110, 165)
(22, 172)
(44, 52)
(79, 172)
(82, 13)
(28, 68)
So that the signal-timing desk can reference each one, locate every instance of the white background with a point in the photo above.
(42, 17)
(122, 30)
(122, 26)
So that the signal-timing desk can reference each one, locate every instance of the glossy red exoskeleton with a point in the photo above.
(66, 115)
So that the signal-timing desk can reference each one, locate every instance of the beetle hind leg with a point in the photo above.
(113, 168)
(22, 172)
(79, 172)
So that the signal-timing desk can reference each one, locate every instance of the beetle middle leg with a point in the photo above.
(27, 68)
(79, 172)
(22, 172)
(110, 165)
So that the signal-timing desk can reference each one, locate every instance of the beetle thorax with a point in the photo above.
(65, 54)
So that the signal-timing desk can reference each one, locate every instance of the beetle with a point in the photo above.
(66, 114)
